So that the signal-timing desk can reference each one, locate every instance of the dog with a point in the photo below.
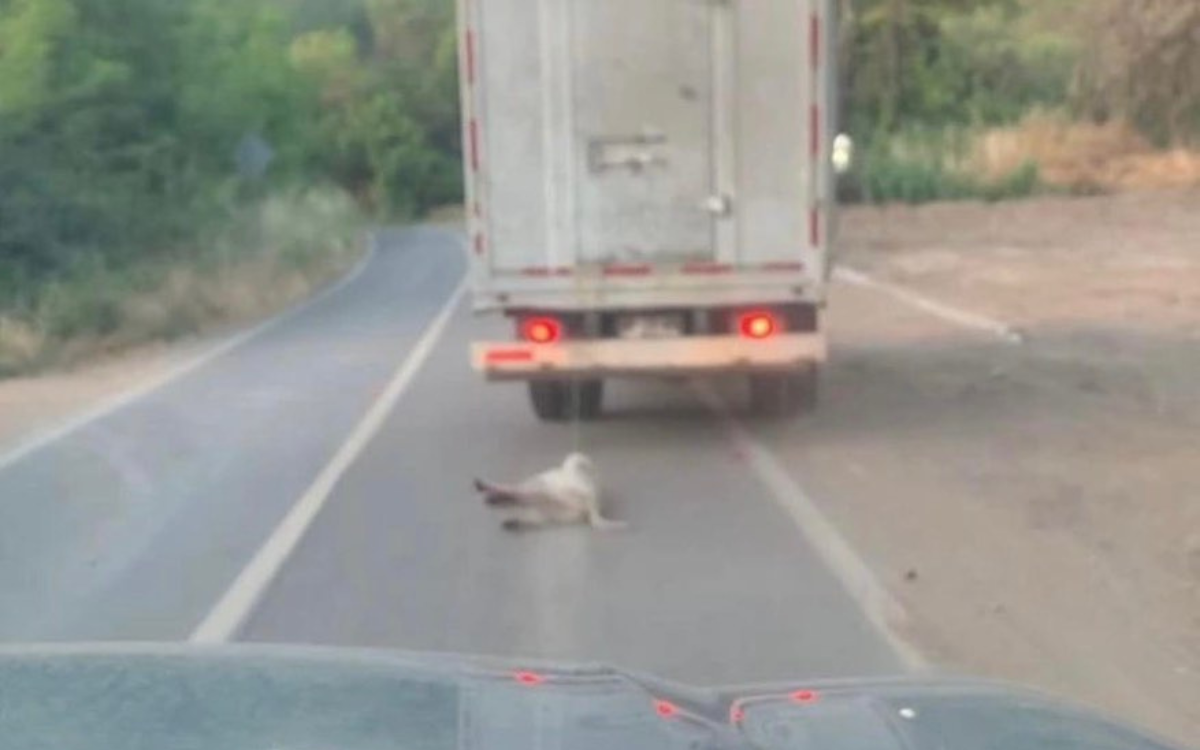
(568, 494)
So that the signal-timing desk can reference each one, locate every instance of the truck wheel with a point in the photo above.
(784, 395)
(549, 399)
(807, 383)
(585, 399)
(558, 401)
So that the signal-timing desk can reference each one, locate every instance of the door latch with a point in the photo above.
(633, 152)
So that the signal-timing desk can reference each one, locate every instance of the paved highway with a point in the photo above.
(135, 526)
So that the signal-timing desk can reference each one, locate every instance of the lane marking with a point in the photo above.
(948, 313)
(882, 610)
(239, 602)
(32, 445)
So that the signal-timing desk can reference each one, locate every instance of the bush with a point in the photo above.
(924, 165)
(947, 62)
(1142, 66)
(259, 260)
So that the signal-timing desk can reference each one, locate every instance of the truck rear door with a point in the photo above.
(685, 135)
(643, 96)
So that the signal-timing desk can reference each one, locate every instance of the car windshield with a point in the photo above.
(806, 344)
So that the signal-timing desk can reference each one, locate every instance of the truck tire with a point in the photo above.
(784, 395)
(549, 400)
(585, 400)
(559, 401)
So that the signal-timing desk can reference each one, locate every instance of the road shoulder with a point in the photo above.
(41, 404)
(1024, 501)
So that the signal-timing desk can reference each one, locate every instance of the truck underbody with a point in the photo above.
(567, 355)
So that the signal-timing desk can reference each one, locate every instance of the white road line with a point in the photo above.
(36, 443)
(882, 610)
(963, 318)
(233, 610)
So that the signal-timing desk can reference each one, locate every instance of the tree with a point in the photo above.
(939, 62)
(125, 124)
(1143, 65)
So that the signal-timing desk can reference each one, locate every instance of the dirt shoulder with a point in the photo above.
(1036, 507)
(33, 406)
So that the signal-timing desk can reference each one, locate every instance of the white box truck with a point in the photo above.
(649, 192)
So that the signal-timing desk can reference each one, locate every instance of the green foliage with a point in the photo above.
(1142, 64)
(923, 164)
(127, 127)
(142, 136)
(258, 257)
(923, 77)
(30, 31)
(949, 62)
(392, 124)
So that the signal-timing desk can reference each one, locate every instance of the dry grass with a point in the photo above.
(1084, 157)
(189, 298)
(449, 215)
(300, 243)
(21, 344)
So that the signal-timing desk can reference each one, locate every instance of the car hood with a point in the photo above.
(226, 698)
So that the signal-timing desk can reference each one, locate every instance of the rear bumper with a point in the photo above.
(693, 355)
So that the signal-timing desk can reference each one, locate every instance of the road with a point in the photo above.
(134, 526)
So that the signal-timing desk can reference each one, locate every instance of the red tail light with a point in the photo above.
(805, 696)
(541, 330)
(531, 679)
(758, 325)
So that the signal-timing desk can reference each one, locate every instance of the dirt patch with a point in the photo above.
(1036, 506)
(32, 406)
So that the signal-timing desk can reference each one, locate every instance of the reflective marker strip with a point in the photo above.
(474, 144)
(792, 267)
(470, 50)
(502, 356)
(470, 60)
(814, 41)
(543, 272)
(639, 270)
(707, 268)
(815, 128)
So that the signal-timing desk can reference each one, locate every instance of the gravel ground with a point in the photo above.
(1036, 506)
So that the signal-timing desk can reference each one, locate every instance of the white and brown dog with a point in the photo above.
(568, 494)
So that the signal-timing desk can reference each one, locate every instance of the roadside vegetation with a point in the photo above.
(995, 99)
(168, 166)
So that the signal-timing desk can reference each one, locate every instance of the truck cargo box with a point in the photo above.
(647, 153)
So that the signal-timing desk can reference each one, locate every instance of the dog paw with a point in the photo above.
(480, 486)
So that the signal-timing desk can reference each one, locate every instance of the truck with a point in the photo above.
(650, 193)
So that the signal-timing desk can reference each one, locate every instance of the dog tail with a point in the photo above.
(600, 523)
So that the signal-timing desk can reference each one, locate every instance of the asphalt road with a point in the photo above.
(133, 527)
